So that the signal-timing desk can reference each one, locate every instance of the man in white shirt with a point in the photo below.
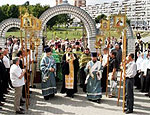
(6, 58)
(6, 62)
(143, 69)
(17, 78)
(137, 77)
(9, 45)
(104, 74)
(130, 74)
(147, 82)
(15, 49)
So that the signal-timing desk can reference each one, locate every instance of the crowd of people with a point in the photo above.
(13, 73)
(78, 64)
(71, 62)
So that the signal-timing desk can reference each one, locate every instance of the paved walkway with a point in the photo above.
(78, 105)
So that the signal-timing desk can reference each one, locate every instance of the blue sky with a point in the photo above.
(48, 2)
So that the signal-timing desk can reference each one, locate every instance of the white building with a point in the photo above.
(138, 11)
(80, 3)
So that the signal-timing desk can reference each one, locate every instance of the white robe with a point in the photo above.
(144, 66)
(104, 62)
(139, 62)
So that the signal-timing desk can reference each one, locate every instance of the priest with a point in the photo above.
(48, 69)
(93, 80)
(70, 66)
(84, 59)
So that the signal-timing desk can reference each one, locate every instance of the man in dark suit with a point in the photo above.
(2, 77)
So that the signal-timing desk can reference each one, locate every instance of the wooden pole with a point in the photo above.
(120, 77)
(28, 77)
(124, 64)
(36, 60)
(32, 66)
(119, 87)
(36, 53)
(124, 69)
(33, 71)
(22, 47)
(26, 85)
(107, 66)
(30, 50)
(20, 9)
(36, 56)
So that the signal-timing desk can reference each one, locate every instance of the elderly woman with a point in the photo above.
(17, 79)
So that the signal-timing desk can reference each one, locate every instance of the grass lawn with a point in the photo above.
(71, 33)
(143, 34)
(64, 34)
(51, 35)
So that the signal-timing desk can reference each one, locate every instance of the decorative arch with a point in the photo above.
(63, 9)
(8, 24)
(77, 12)
(130, 40)
(129, 32)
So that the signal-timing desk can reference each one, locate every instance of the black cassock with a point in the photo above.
(3, 80)
(65, 71)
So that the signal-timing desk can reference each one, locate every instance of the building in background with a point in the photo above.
(80, 3)
(138, 11)
(58, 2)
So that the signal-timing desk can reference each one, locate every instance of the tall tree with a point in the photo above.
(100, 17)
(13, 11)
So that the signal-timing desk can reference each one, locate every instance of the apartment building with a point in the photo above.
(138, 11)
(80, 3)
(58, 2)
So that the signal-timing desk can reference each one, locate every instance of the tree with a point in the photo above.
(128, 21)
(13, 11)
(59, 20)
(3, 16)
(100, 17)
(4, 10)
(37, 9)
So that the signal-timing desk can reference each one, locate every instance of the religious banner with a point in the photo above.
(105, 25)
(33, 23)
(120, 21)
(37, 41)
(38, 24)
(26, 21)
(99, 41)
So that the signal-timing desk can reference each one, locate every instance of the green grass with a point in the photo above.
(64, 34)
(16, 34)
(55, 27)
(143, 34)
(113, 33)
(71, 34)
